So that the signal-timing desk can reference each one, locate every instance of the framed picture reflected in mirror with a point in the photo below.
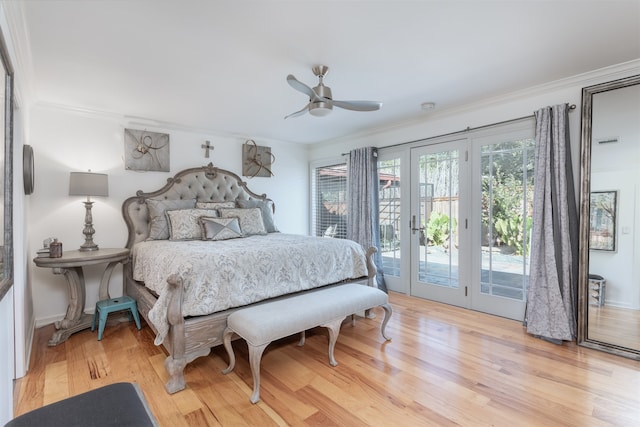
(602, 220)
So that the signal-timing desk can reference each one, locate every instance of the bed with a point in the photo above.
(189, 270)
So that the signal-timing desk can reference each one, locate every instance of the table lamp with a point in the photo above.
(88, 184)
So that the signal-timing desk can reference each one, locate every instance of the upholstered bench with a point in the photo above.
(263, 323)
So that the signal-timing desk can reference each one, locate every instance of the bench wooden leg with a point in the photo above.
(334, 330)
(228, 333)
(387, 316)
(255, 356)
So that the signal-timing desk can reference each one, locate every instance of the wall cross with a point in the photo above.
(207, 147)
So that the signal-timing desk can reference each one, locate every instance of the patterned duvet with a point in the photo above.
(218, 275)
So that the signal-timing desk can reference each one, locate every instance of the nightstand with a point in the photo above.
(71, 264)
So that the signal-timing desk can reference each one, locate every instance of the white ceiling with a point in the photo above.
(221, 66)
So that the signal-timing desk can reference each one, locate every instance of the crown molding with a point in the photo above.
(151, 123)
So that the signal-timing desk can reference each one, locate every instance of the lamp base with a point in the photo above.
(88, 247)
(88, 231)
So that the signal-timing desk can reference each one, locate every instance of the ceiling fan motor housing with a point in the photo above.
(321, 108)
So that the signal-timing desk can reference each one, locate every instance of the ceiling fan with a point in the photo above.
(320, 100)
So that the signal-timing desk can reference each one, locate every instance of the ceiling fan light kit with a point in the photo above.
(321, 100)
(320, 109)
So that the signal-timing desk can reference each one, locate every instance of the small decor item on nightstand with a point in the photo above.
(45, 251)
(55, 249)
(88, 184)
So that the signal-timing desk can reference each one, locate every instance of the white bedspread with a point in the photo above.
(218, 275)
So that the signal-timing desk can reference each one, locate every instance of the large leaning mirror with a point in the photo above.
(6, 174)
(609, 278)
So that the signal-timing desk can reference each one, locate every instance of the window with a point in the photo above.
(329, 207)
(329, 199)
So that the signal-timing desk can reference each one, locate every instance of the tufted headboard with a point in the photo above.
(206, 184)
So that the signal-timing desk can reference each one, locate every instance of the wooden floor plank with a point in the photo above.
(445, 366)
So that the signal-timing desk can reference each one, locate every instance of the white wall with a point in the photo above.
(65, 141)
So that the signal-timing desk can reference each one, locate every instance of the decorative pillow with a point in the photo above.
(250, 220)
(158, 225)
(220, 228)
(215, 205)
(184, 224)
(266, 208)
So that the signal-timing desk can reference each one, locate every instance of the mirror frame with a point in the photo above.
(6, 281)
(585, 206)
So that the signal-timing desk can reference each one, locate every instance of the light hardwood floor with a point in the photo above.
(445, 366)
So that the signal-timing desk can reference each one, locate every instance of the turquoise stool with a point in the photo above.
(104, 307)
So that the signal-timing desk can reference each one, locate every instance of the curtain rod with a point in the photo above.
(468, 129)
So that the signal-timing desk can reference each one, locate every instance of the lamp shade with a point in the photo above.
(88, 184)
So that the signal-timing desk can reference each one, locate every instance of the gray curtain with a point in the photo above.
(551, 297)
(363, 216)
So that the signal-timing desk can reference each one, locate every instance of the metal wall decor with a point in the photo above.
(28, 169)
(256, 160)
(146, 151)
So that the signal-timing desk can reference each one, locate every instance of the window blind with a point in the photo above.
(329, 193)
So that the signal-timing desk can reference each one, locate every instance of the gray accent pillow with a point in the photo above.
(158, 225)
(250, 220)
(220, 228)
(184, 224)
(266, 208)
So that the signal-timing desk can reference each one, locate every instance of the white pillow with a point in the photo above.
(250, 219)
(184, 224)
(266, 207)
(158, 224)
(215, 205)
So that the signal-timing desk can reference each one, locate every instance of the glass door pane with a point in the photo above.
(390, 218)
(506, 207)
(437, 186)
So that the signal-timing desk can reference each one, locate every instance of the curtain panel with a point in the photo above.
(551, 298)
(363, 216)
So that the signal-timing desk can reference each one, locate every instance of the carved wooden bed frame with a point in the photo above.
(191, 337)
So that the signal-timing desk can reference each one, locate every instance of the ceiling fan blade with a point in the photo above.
(299, 86)
(358, 105)
(305, 109)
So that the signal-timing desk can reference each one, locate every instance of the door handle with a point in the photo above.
(413, 225)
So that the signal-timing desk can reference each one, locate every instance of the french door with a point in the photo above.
(502, 217)
(470, 222)
(439, 237)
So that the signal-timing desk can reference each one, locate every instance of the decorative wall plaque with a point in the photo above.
(146, 151)
(256, 160)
